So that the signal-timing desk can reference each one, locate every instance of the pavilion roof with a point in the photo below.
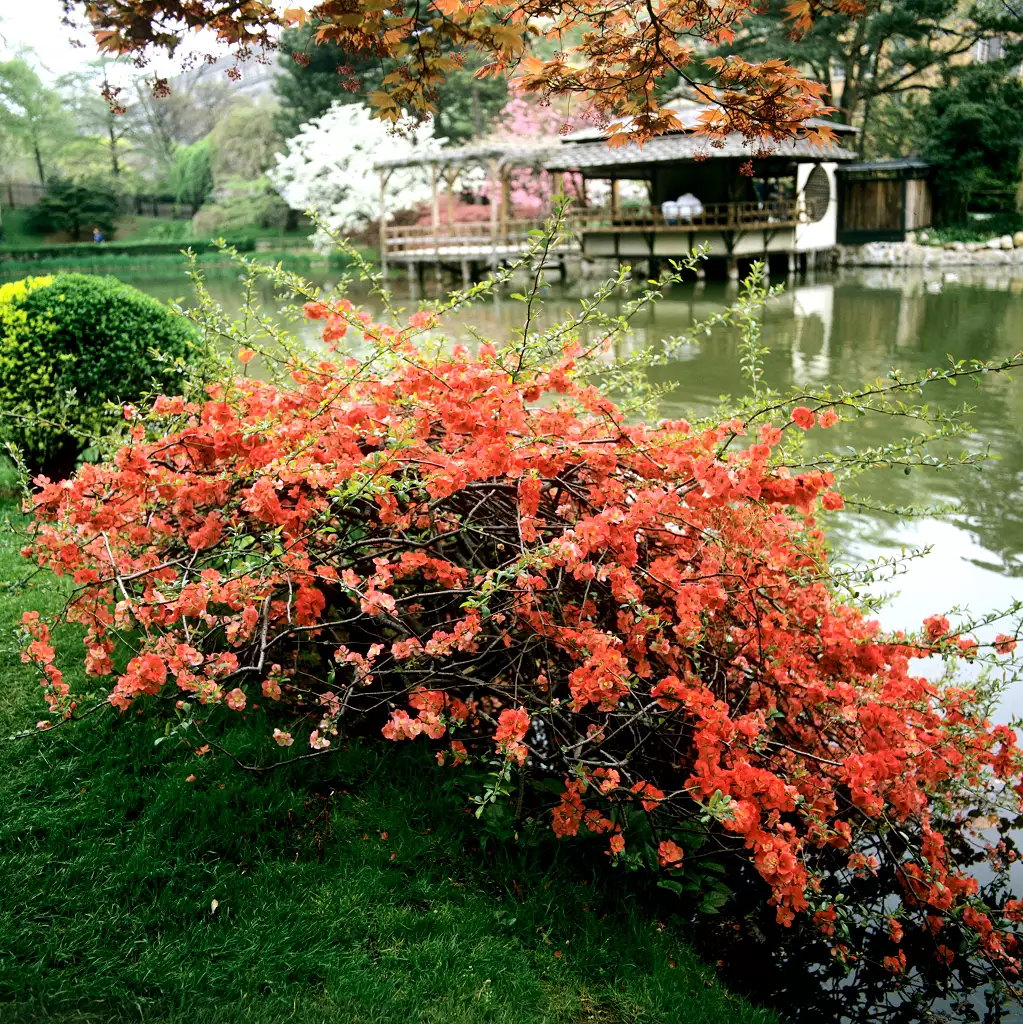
(587, 150)
(597, 156)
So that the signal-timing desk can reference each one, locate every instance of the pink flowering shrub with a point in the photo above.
(477, 551)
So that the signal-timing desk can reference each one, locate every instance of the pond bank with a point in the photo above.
(1006, 250)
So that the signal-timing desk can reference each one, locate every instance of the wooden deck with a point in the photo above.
(493, 242)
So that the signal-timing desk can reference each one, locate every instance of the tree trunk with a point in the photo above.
(39, 161)
(115, 166)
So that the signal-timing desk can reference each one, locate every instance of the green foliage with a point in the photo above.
(87, 159)
(893, 131)
(243, 143)
(356, 891)
(126, 265)
(973, 130)
(31, 112)
(141, 247)
(324, 73)
(191, 174)
(977, 230)
(245, 205)
(18, 226)
(75, 207)
(71, 344)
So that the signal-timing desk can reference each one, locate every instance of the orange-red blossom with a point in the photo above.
(447, 549)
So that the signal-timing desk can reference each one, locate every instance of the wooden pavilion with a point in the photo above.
(697, 192)
(881, 200)
(445, 242)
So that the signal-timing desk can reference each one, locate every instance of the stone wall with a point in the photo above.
(919, 252)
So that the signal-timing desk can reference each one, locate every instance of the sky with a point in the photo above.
(36, 25)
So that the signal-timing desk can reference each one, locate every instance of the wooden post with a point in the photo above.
(384, 175)
(494, 200)
(435, 215)
(615, 201)
(450, 178)
(435, 208)
(505, 201)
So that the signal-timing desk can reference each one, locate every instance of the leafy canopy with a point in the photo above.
(973, 130)
(611, 55)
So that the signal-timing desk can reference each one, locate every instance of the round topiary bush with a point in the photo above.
(83, 333)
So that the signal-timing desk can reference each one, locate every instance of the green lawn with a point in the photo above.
(352, 891)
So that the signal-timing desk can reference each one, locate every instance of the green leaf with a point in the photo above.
(713, 901)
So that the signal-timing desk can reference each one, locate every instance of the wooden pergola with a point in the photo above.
(432, 244)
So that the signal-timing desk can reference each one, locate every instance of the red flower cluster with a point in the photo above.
(493, 558)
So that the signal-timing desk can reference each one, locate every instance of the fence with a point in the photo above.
(27, 193)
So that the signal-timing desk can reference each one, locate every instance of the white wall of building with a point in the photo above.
(824, 233)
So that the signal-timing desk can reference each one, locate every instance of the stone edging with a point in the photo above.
(1008, 249)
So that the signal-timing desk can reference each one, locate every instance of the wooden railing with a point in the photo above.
(720, 216)
(467, 237)
(447, 239)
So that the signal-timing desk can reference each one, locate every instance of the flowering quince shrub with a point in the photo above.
(477, 550)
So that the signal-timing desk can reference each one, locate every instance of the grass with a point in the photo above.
(354, 890)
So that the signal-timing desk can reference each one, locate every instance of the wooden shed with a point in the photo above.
(879, 201)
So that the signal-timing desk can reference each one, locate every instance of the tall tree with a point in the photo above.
(894, 48)
(315, 75)
(243, 143)
(159, 122)
(32, 112)
(96, 107)
(191, 174)
(973, 131)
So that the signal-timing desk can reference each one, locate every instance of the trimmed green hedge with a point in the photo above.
(144, 248)
(85, 333)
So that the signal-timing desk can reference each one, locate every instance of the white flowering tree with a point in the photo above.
(328, 167)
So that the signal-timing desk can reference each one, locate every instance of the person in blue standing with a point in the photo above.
(97, 235)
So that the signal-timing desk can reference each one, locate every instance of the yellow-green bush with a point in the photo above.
(71, 344)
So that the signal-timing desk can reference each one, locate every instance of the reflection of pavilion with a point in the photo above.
(812, 302)
(785, 212)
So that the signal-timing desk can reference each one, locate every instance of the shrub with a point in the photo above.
(75, 207)
(92, 335)
(243, 206)
(479, 550)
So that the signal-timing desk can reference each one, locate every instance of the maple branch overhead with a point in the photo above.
(618, 57)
